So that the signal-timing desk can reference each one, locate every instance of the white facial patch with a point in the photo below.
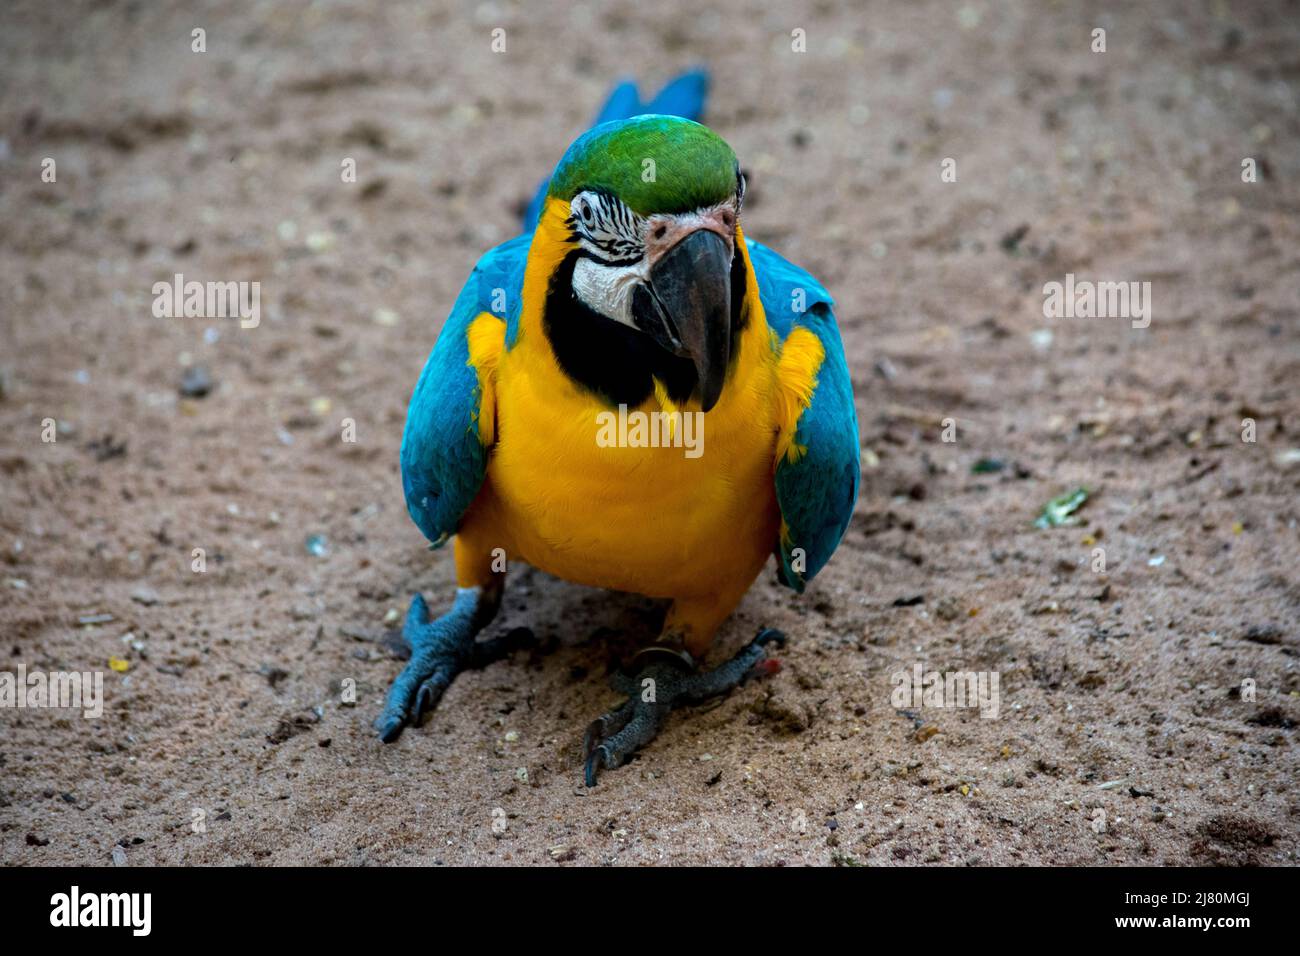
(608, 289)
(607, 228)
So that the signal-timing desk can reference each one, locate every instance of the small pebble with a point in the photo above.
(145, 595)
(320, 241)
(196, 382)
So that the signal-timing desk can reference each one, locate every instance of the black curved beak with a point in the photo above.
(686, 308)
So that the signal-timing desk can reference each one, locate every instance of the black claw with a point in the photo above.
(390, 729)
(592, 768)
(423, 698)
(770, 635)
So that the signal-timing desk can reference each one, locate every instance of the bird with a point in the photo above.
(633, 296)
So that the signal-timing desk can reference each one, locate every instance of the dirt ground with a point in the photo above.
(1124, 735)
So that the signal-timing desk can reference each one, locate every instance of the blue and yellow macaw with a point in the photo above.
(636, 292)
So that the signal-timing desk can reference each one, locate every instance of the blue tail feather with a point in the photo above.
(624, 101)
(683, 96)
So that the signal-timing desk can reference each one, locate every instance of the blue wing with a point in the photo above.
(443, 460)
(683, 96)
(816, 493)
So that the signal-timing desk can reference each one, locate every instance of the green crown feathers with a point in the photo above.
(654, 164)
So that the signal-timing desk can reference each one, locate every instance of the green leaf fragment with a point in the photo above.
(1057, 512)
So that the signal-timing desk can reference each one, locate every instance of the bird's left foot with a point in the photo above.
(666, 681)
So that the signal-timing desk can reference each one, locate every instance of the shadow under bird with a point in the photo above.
(635, 290)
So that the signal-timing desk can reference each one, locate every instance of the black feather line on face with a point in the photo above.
(584, 253)
(613, 361)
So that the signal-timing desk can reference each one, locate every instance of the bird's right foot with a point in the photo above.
(441, 649)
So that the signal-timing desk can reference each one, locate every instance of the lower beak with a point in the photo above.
(686, 308)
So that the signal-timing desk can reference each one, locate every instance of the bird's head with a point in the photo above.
(651, 207)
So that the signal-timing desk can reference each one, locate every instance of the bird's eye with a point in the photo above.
(727, 219)
(660, 231)
(584, 211)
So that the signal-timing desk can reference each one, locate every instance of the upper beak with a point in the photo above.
(686, 308)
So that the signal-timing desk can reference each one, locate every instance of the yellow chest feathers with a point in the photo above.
(640, 498)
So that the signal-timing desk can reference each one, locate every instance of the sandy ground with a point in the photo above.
(225, 740)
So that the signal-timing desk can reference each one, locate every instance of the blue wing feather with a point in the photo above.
(683, 96)
(443, 460)
(816, 493)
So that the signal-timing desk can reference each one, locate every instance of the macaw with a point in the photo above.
(636, 291)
